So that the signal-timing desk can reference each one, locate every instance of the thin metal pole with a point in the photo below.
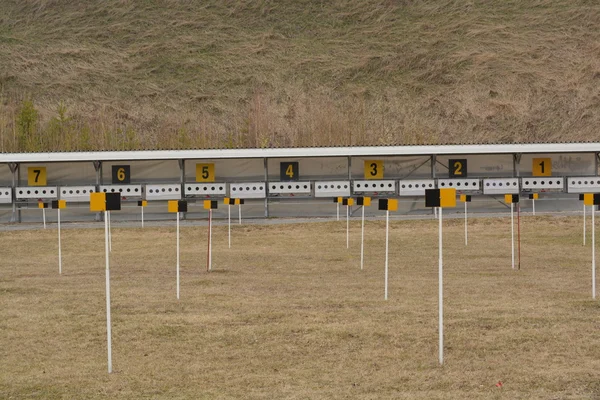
(142, 216)
(584, 224)
(210, 240)
(512, 233)
(347, 227)
(338, 211)
(533, 203)
(387, 223)
(59, 246)
(441, 292)
(593, 254)
(177, 255)
(362, 239)
(109, 234)
(44, 216)
(108, 322)
(229, 223)
(519, 233)
(240, 214)
(466, 234)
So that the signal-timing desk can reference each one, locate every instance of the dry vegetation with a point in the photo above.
(287, 313)
(122, 74)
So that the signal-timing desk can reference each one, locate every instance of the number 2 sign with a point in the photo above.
(457, 168)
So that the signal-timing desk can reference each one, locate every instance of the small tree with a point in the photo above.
(27, 120)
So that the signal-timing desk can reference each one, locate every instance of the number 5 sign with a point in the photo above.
(205, 172)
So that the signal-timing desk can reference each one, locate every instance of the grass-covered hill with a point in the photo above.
(103, 74)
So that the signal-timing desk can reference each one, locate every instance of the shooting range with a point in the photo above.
(282, 264)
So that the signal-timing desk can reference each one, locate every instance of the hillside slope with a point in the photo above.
(171, 74)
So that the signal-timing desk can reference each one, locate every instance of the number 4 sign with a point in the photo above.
(289, 171)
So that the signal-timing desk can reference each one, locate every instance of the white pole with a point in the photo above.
(512, 233)
(177, 255)
(441, 292)
(584, 224)
(362, 239)
(435, 215)
(44, 216)
(533, 203)
(338, 211)
(593, 254)
(142, 216)
(387, 222)
(466, 235)
(109, 234)
(59, 246)
(229, 223)
(210, 241)
(240, 213)
(347, 227)
(108, 324)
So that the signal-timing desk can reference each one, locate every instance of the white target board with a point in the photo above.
(583, 184)
(374, 186)
(461, 185)
(76, 193)
(543, 183)
(125, 190)
(37, 192)
(167, 191)
(5, 195)
(415, 187)
(302, 188)
(332, 189)
(248, 190)
(205, 189)
(501, 186)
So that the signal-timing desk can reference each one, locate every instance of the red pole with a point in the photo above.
(519, 232)
(208, 241)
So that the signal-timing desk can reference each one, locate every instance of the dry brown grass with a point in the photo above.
(287, 313)
(171, 74)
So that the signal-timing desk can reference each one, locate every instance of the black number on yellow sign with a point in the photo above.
(373, 169)
(289, 171)
(457, 168)
(121, 174)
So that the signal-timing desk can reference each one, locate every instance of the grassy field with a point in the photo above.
(122, 74)
(287, 313)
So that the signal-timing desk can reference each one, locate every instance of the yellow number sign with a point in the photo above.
(373, 169)
(205, 172)
(542, 167)
(36, 176)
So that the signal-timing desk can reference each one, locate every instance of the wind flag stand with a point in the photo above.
(387, 205)
(512, 199)
(337, 201)
(593, 199)
(582, 198)
(177, 206)
(106, 202)
(465, 198)
(109, 234)
(229, 203)
(58, 205)
(43, 206)
(363, 202)
(210, 205)
(348, 203)
(440, 198)
(239, 202)
(533, 197)
(141, 205)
